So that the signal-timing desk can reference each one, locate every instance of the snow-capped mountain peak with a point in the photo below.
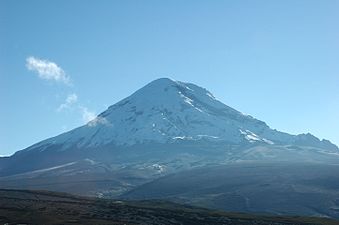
(165, 111)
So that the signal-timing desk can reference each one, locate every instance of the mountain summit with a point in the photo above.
(165, 111)
(168, 117)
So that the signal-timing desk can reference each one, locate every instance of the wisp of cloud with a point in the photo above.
(47, 70)
(70, 100)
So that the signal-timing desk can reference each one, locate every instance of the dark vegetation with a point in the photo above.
(44, 207)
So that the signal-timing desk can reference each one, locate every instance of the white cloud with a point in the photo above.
(91, 119)
(87, 115)
(47, 70)
(98, 120)
(70, 100)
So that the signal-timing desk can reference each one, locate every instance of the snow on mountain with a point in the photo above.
(165, 111)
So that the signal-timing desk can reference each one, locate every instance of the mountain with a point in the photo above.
(165, 111)
(165, 128)
(172, 119)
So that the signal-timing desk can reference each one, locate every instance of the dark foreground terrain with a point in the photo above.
(43, 207)
(308, 189)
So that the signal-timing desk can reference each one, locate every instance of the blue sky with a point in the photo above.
(61, 62)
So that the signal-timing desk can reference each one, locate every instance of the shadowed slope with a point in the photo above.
(49, 208)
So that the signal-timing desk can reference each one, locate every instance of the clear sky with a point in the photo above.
(61, 62)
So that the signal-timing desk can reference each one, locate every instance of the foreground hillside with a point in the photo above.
(41, 207)
(307, 189)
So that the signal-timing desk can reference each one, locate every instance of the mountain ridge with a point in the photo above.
(165, 110)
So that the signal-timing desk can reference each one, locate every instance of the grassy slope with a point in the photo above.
(43, 207)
